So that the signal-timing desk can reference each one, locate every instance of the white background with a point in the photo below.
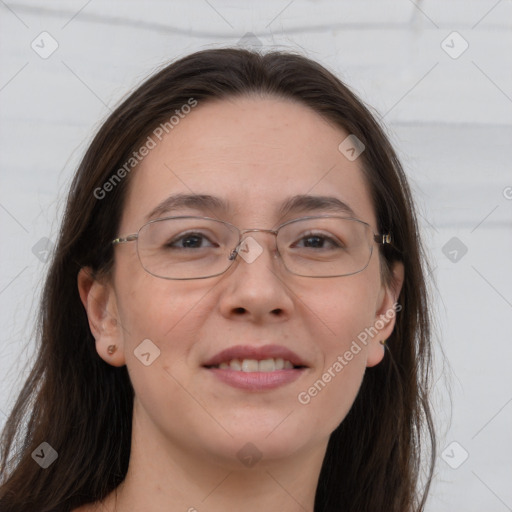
(450, 119)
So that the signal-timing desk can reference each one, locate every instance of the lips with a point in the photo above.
(256, 369)
(262, 353)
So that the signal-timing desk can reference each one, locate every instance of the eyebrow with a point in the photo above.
(293, 205)
(307, 203)
(193, 201)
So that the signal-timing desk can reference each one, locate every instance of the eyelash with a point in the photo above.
(192, 234)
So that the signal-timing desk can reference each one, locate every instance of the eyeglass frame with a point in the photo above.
(381, 239)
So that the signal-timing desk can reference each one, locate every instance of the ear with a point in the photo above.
(385, 315)
(100, 304)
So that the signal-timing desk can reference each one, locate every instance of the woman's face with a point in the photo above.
(253, 154)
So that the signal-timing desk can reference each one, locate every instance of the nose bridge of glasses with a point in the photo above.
(243, 245)
(245, 233)
(254, 230)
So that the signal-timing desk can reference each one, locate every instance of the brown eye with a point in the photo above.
(318, 241)
(188, 241)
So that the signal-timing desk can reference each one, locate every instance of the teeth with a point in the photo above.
(250, 365)
(235, 365)
(267, 365)
(253, 365)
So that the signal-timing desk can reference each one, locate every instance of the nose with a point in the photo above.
(255, 287)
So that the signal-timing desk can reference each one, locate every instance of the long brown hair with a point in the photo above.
(83, 407)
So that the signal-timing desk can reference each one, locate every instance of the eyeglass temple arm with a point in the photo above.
(383, 239)
(124, 239)
(380, 239)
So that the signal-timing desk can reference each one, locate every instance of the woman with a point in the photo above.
(236, 311)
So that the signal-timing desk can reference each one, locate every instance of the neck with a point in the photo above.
(164, 476)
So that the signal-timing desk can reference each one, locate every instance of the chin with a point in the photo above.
(253, 445)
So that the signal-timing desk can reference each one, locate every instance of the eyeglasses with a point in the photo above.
(200, 247)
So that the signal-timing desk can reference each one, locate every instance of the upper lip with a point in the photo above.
(252, 352)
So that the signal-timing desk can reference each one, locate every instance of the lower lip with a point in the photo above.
(257, 381)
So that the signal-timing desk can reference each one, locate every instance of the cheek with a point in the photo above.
(154, 308)
(341, 314)
(168, 313)
(169, 316)
(343, 309)
(332, 392)
(161, 321)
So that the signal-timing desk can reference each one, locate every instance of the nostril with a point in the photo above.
(239, 310)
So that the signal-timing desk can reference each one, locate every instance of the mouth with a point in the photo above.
(256, 368)
(255, 365)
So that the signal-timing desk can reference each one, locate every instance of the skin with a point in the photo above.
(187, 426)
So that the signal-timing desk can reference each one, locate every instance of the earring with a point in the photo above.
(383, 342)
(111, 349)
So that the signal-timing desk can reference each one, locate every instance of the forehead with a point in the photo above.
(254, 154)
